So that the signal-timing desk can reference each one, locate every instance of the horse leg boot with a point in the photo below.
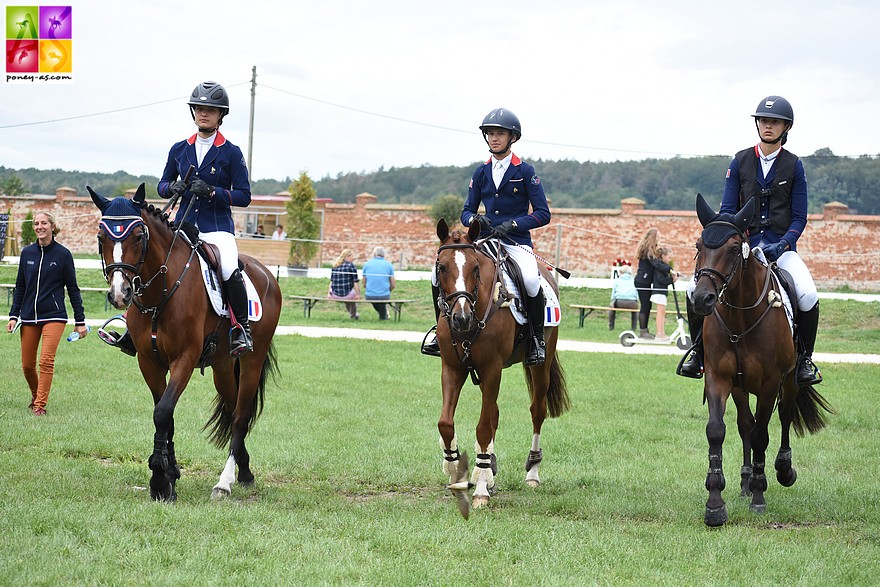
(808, 324)
(240, 340)
(432, 347)
(692, 364)
(535, 355)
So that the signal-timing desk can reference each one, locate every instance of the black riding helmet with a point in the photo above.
(775, 107)
(209, 94)
(501, 118)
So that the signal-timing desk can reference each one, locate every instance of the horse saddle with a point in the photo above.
(507, 292)
(209, 261)
(786, 283)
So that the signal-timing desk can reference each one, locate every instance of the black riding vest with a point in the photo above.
(775, 202)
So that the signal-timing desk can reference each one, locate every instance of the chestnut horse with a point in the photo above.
(479, 337)
(150, 263)
(748, 349)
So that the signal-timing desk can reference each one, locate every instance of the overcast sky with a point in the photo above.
(354, 86)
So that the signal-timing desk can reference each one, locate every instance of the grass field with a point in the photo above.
(349, 489)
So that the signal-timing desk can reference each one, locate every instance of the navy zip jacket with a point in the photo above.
(43, 273)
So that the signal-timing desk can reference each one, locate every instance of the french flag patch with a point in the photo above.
(552, 315)
(254, 309)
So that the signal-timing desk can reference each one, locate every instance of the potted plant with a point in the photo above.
(303, 227)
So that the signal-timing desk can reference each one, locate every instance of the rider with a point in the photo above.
(220, 182)
(775, 178)
(506, 186)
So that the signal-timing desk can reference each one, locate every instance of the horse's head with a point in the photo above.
(722, 250)
(458, 276)
(123, 237)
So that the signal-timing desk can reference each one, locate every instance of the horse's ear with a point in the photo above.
(474, 231)
(100, 201)
(442, 229)
(704, 211)
(140, 196)
(744, 216)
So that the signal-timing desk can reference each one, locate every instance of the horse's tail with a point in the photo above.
(807, 416)
(558, 401)
(220, 421)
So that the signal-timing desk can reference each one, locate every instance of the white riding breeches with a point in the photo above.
(225, 241)
(528, 266)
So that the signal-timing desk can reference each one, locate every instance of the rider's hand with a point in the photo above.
(201, 188)
(483, 221)
(774, 251)
(176, 188)
(505, 228)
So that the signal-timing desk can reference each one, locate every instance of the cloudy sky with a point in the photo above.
(350, 86)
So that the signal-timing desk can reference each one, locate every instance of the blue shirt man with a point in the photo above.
(378, 281)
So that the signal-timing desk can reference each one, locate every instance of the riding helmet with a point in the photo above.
(775, 107)
(501, 118)
(210, 94)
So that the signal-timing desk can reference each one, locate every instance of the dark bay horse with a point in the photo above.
(479, 337)
(175, 329)
(749, 349)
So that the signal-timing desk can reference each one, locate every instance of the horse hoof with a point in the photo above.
(480, 501)
(788, 479)
(716, 516)
(533, 483)
(219, 493)
(758, 508)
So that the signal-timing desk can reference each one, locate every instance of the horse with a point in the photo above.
(147, 262)
(478, 336)
(748, 348)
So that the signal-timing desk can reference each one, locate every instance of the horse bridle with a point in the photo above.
(712, 273)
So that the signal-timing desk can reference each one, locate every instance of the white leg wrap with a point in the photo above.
(227, 477)
(449, 467)
(482, 477)
(532, 477)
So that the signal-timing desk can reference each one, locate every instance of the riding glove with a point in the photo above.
(774, 251)
(176, 188)
(505, 228)
(483, 221)
(201, 188)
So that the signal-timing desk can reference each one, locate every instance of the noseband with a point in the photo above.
(450, 299)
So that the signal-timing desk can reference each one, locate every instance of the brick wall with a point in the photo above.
(841, 249)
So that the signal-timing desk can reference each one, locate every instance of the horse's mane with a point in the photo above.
(190, 230)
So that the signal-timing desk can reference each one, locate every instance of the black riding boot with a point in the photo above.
(536, 354)
(693, 363)
(240, 340)
(807, 372)
(432, 347)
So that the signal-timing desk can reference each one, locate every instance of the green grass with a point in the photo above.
(845, 326)
(349, 489)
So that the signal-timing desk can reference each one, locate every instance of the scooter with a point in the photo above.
(680, 336)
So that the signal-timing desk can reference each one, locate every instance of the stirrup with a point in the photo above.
(690, 366)
(536, 354)
(815, 376)
(431, 348)
(238, 345)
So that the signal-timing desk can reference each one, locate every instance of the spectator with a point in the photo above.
(624, 295)
(279, 234)
(260, 232)
(344, 282)
(662, 281)
(378, 281)
(649, 262)
(45, 268)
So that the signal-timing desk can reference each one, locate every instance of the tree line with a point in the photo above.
(663, 184)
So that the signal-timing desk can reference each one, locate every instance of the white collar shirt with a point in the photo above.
(499, 167)
(768, 160)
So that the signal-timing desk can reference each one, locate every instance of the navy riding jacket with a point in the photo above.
(519, 188)
(224, 168)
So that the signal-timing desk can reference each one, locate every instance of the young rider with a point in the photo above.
(507, 186)
(775, 178)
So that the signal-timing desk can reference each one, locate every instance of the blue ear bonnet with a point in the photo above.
(120, 218)
(719, 230)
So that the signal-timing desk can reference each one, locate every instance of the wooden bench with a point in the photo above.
(267, 251)
(10, 288)
(586, 310)
(310, 302)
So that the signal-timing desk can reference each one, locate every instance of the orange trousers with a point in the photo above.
(40, 382)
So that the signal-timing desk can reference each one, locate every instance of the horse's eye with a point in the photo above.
(441, 268)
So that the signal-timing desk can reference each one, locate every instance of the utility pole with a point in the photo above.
(251, 127)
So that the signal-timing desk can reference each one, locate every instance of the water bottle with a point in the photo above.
(74, 336)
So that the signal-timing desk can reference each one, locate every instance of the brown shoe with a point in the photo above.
(39, 411)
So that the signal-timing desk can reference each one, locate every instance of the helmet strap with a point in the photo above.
(783, 137)
(506, 149)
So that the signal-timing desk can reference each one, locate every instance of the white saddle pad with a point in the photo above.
(215, 294)
(758, 253)
(552, 310)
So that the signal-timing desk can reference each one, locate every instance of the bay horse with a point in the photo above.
(150, 263)
(748, 348)
(479, 337)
